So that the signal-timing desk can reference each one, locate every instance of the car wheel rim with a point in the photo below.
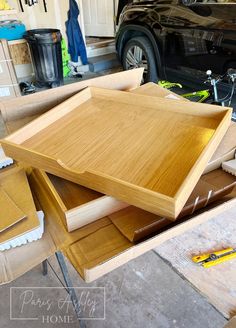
(135, 58)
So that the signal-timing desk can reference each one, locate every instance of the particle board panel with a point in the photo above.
(126, 147)
(10, 213)
(10, 178)
(20, 53)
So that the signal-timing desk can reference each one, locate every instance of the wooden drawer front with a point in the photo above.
(77, 205)
(99, 247)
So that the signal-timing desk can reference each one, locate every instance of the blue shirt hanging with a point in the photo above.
(76, 46)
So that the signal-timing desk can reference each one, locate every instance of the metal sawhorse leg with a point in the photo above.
(68, 285)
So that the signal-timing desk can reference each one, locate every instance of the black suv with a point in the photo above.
(187, 37)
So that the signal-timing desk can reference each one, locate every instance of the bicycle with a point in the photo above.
(210, 95)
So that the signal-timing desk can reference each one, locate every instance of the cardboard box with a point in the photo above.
(15, 262)
(17, 113)
(9, 87)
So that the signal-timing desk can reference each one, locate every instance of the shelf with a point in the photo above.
(8, 12)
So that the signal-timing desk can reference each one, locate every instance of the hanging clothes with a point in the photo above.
(76, 46)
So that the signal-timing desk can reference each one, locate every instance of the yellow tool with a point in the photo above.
(211, 259)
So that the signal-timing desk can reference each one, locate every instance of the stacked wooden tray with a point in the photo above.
(102, 151)
(144, 151)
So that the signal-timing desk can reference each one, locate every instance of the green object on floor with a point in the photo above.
(65, 58)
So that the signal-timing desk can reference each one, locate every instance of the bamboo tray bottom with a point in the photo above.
(187, 132)
(98, 247)
(70, 194)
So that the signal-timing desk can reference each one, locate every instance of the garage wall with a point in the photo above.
(35, 16)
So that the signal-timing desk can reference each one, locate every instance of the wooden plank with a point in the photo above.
(10, 213)
(139, 165)
(22, 197)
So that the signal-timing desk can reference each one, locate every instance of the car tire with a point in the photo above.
(138, 52)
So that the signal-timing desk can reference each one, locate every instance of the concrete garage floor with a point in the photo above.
(146, 292)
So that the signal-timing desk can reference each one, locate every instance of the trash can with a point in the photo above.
(45, 48)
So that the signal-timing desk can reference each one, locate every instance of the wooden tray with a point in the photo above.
(146, 151)
(77, 205)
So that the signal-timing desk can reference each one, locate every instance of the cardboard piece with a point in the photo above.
(17, 113)
(154, 90)
(10, 213)
(11, 177)
(81, 140)
(15, 262)
(231, 323)
(136, 224)
(99, 262)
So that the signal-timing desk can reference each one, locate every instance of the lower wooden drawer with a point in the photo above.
(76, 204)
(99, 247)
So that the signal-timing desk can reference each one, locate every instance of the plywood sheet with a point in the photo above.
(126, 147)
(10, 212)
(217, 283)
(22, 197)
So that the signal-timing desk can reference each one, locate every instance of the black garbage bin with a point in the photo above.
(45, 48)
